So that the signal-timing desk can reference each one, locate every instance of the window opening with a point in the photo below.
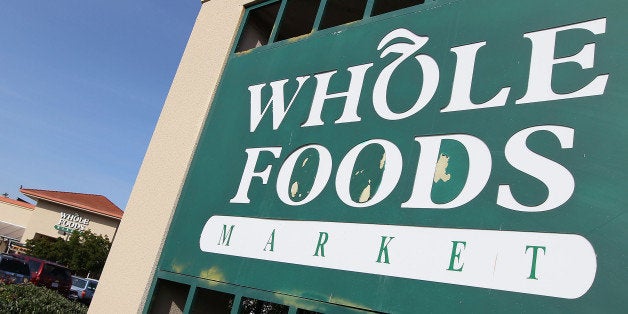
(78, 282)
(14, 266)
(169, 297)
(210, 301)
(258, 26)
(38, 236)
(298, 18)
(385, 6)
(56, 272)
(254, 306)
(34, 266)
(284, 19)
(92, 285)
(338, 12)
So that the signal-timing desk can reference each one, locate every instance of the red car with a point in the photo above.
(49, 274)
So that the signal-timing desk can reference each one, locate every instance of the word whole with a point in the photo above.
(558, 180)
(75, 221)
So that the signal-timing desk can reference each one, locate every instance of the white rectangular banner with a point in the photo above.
(549, 264)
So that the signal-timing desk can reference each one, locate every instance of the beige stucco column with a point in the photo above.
(131, 265)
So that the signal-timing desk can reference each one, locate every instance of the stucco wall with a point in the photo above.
(47, 214)
(130, 268)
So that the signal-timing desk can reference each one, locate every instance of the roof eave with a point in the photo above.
(71, 205)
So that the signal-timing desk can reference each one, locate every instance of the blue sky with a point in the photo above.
(82, 84)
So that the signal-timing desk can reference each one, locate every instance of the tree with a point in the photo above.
(84, 252)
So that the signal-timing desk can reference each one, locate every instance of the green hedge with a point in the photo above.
(31, 299)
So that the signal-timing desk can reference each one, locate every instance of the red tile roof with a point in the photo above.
(97, 204)
(18, 203)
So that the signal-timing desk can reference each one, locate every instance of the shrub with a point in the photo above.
(32, 299)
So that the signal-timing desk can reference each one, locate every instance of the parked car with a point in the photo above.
(49, 274)
(13, 270)
(82, 289)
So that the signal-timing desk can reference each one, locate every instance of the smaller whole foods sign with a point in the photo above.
(71, 222)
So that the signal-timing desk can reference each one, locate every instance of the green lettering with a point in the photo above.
(455, 255)
(225, 236)
(535, 249)
(383, 250)
(322, 239)
(271, 242)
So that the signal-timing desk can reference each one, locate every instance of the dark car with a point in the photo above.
(83, 289)
(13, 270)
(49, 274)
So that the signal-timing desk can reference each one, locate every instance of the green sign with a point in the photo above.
(61, 228)
(464, 156)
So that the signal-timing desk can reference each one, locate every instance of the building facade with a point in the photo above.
(56, 214)
(16, 215)
(384, 156)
